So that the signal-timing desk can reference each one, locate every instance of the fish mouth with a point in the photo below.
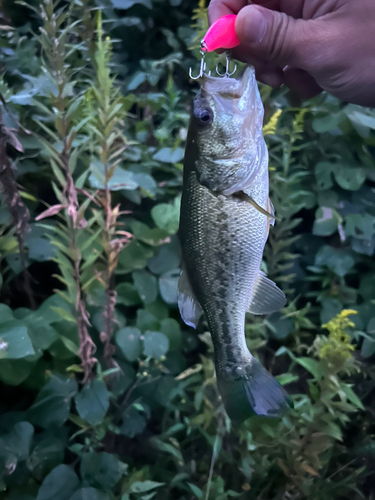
(230, 88)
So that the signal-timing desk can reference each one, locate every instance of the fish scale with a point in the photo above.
(223, 230)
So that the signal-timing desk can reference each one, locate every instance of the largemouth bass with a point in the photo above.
(223, 229)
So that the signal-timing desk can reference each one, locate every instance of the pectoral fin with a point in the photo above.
(271, 210)
(245, 197)
(188, 305)
(267, 297)
(270, 222)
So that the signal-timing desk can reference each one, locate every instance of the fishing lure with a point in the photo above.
(220, 35)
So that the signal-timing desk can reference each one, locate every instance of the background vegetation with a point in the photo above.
(105, 394)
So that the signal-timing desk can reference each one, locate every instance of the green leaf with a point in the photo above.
(169, 155)
(361, 226)
(17, 443)
(142, 232)
(124, 379)
(368, 344)
(328, 122)
(134, 256)
(64, 314)
(368, 347)
(168, 286)
(166, 258)
(330, 309)
(102, 470)
(67, 346)
(146, 286)
(42, 334)
(171, 329)
(127, 295)
(15, 342)
(326, 221)
(165, 390)
(159, 310)
(195, 490)
(349, 178)
(48, 309)
(323, 174)
(146, 182)
(287, 378)
(133, 423)
(71, 346)
(167, 216)
(333, 430)
(120, 180)
(143, 486)
(361, 118)
(92, 402)
(167, 448)
(40, 249)
(52, 405)
(338, 260)
(312, 366)
(129, 342)
(15, 371)
(60, 484)
(6, 313)
(99, 320)
(89, 493)
(352, 396)
(140, 76)
(147, 321)
(156, 344)
(367, 288)
(46, 455)
(280, 326)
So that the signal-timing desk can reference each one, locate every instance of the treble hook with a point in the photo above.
(227, 74)
(202, 69)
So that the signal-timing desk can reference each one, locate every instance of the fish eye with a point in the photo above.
(204, 117)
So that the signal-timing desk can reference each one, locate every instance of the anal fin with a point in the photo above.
(267, 297)
(188, 305)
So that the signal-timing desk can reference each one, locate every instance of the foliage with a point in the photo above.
(106, 394)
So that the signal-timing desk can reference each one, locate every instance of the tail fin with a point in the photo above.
(257, 393)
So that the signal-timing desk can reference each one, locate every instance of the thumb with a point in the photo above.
(273, 36)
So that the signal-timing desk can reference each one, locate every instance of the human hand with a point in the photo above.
(309, 45)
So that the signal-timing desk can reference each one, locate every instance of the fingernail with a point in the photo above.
(251, 24)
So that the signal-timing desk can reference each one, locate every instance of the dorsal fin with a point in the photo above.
(267, 297)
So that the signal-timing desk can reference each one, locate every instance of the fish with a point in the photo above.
(225, 218)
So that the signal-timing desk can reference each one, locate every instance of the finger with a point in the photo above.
(274, 78)
(268, 4)
(220, 8)
(301, 82)
(265, 72)
(273, 36)
(244, 54)
(293, 8)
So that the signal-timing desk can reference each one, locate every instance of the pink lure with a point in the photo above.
(222, 35)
